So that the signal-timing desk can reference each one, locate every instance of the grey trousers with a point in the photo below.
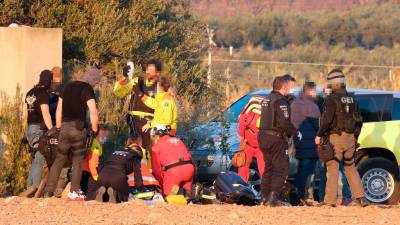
(33, 134)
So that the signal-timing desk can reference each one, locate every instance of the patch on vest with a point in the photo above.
(348, 100)
(30, 100)
(166, 104)
(285, 110)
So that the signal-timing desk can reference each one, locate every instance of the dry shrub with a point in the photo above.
(14, 157)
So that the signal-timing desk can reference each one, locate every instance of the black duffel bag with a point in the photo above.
(325, 150)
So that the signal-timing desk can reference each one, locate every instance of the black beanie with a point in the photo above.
(46, 77)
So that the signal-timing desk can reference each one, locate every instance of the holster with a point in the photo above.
(325, 151)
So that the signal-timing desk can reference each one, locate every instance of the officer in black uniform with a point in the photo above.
(113, 173)
(341, 122)
(275, 129)
(292, 84)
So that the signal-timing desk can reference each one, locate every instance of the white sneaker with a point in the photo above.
(76, 196)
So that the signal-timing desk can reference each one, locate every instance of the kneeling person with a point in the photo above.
(171, 162)
(90, 165)
(114, 173)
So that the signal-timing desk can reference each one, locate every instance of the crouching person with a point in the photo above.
(113, 174)
(171, 162)
(90, 165)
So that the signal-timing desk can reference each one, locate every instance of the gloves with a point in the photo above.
(53, 132)
(125, 70)
(131, 69)
(299, 136)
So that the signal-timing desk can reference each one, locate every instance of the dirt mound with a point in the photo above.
(17, 210)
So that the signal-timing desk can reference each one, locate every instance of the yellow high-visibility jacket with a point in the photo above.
(165, 111)
(124, 87)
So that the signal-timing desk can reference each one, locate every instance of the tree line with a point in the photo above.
(367, 27)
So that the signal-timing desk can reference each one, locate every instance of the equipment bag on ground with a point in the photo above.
(232, 189)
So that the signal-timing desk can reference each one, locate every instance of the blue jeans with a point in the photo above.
(35, 173)
(305, 169)
(346, 193)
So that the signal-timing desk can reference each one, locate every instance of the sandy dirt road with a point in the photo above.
(17, 210)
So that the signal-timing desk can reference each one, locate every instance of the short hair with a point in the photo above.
(309, 85)
(289, 77)
(156, 62)
(278, 83)
(165, 83)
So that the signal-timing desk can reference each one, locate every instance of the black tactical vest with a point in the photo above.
(146, 88)
(267, 119)
(347, 115)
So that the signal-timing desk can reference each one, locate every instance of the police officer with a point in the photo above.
(292, 85)
(76, 98)
(341, 121)
(113, 175)
(139, 113)
(275, 129)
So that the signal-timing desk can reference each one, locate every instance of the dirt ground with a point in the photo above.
(15, 210)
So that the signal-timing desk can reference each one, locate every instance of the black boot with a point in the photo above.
(304, 202)
(48, 195)
(362, 202)
(273, 200)
(322, 204)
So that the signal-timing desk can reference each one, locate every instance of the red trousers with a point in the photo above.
(180, 175)
(251, 152)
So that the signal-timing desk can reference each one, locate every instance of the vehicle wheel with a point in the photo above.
(380, 179)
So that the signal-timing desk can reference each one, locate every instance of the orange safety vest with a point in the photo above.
(148, 178)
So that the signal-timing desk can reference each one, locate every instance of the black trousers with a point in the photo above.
(276, 159)
(113, 177)
(89, 186)
(138, 124)
(71, 144)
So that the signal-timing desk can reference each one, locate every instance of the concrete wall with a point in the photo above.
(24, 53)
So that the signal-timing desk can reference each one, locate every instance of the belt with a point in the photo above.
(141, 114)
(273, 133)
(179, 163)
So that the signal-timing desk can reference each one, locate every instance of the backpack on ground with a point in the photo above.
(232, 189)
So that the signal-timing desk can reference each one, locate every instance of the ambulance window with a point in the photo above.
(396, 109)
(375, 108)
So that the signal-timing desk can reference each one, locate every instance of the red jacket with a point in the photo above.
(248, 121)
(167, 151)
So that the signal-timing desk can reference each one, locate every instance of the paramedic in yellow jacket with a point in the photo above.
(138, 112)
(164, 105)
